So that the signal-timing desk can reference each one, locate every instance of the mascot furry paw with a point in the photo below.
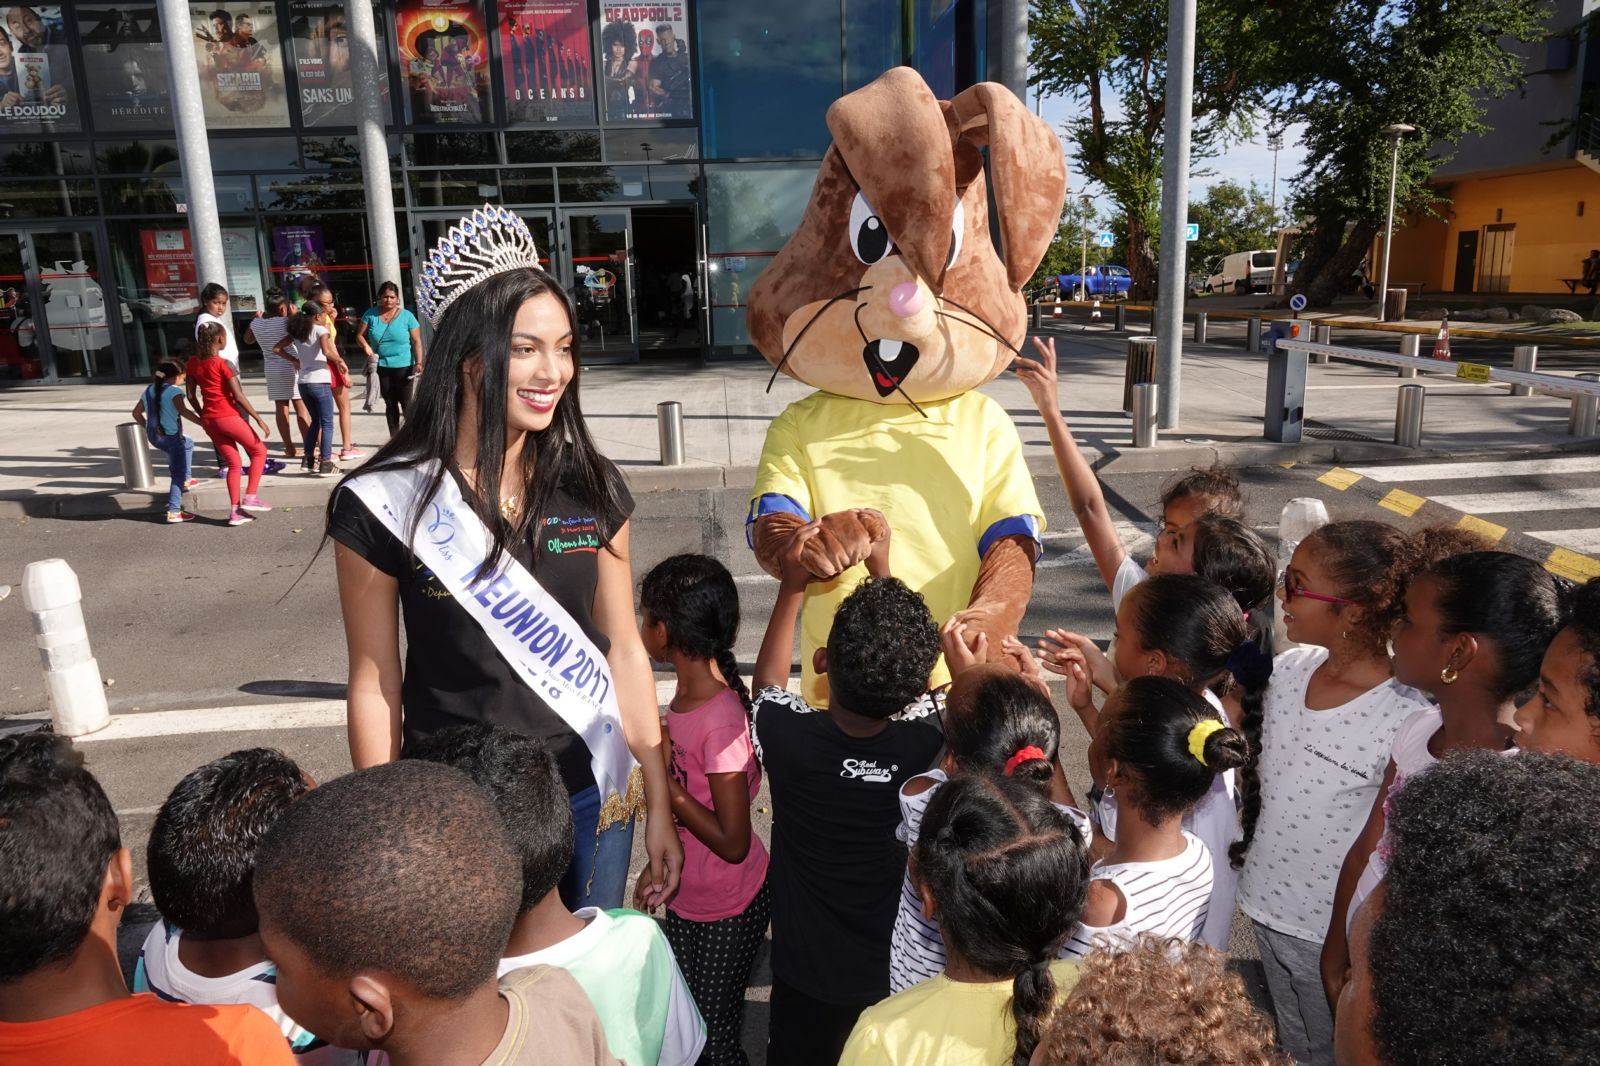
(892, 300)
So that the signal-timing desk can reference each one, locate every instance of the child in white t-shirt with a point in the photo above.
(201, 860)
(620, 958)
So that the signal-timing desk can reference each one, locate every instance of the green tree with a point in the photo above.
(1110, 59)
(1366, 64)
(1066, 251)
(1232, 218)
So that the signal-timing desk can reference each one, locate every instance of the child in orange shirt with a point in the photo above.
(64, 881)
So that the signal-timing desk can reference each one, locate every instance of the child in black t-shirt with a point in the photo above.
(835, 777)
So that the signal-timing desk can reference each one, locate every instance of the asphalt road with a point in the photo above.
(207, 617)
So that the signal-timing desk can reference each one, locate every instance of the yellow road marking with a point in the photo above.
(1339, 478)
(1571, 565)
(1402, 502)
(1290, 465)
(1487, 530)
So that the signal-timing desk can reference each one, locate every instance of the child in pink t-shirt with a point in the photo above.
(717, 920)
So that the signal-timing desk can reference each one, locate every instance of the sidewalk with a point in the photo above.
(58, 451)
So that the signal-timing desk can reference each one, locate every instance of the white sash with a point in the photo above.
(548, 649)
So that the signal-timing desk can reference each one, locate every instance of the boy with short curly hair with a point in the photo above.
(1159, 1002)
(65, 880)
(835, 777)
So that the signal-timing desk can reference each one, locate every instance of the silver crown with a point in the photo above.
(487, 242)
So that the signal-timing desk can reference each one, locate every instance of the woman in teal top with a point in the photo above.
(392, 337)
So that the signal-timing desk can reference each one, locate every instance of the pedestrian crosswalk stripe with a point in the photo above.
(1566, 464)
(1488, 530)
(1402, 502)
(1554, 499)
(1571, 565)
(1578, 540)
(1339, 478)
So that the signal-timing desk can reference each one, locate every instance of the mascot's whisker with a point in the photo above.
(811, 322)
(866, 347)
(981, 324)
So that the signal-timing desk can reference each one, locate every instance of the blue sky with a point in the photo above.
(1243, 162)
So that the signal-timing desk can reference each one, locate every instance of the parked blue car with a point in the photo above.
(1112, 281)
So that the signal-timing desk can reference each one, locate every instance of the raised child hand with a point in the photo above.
(963, 648)
(1029, 666)
(1040, 377)
(1058, 644)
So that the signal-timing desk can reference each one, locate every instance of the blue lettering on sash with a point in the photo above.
(527, 623)
(559, 649)
(497, 588)
(508, 606)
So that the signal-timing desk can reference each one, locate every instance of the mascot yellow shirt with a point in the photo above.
(953, 483)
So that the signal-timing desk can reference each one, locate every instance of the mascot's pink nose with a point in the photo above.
(905, 299)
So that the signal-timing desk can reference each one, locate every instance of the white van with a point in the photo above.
(1243, 272)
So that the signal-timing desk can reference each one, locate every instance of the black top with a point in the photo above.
(454, 674)
(836, 864)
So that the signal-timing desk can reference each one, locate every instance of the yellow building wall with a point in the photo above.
(1550, 242)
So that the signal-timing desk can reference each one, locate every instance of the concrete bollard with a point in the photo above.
(50, 592)
(1145, 400)
(1581, 422)
(1524, 357)
(669, 430)
(1200, 327)
(135, 454)
(1408, 416)
(1411, 345)
(1252, 334)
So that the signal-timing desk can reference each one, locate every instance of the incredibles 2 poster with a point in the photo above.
(644, 61)
(444, 56)
(544, 56)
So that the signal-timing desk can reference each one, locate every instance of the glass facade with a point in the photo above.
(643, 142)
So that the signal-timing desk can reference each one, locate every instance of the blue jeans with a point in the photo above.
(180, 460)
(318, 397)
(598, 876)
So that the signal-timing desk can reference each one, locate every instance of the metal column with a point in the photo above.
(1008, 45)
(1411, 345)
(1168, 326)
(1408, 415)
(194, 151)
(367, 82)
(1524, 357)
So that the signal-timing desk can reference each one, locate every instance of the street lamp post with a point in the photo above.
(1395, 132)
(1083, 259)
(1275, 144)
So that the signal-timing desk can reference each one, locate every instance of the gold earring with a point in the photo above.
(1448, 675)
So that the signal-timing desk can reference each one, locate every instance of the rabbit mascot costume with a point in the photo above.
(893, 302)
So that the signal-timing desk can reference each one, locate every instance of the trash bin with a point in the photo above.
(1394, 305)
(1141, 368)
(135, 452)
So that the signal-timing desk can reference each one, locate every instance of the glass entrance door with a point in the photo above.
(55, 313)
(600, 275)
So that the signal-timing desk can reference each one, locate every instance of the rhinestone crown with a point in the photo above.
(487, 242)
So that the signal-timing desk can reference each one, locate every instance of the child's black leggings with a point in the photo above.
(715, 958)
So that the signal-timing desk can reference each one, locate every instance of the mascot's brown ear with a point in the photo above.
(894, 139)
(1026, 166)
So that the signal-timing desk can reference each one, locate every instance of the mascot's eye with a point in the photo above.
(869, 237)
(958, 226)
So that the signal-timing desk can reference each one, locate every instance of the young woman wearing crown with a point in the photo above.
(492, 528)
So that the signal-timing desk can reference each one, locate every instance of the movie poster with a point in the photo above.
(126, 67)
(298, 252)
(544, 57)
(321, 35)
(36, 90)
(241, 65)
(169, 271)
(644, 61)
(444, 54)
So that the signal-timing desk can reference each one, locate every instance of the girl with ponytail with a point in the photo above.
(716, 922)
(1003, 871)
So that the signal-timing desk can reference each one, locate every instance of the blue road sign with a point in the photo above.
(1297, 302)
(1105, 240)
(1191, 232)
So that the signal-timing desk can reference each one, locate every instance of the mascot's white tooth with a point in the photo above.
(889, 350)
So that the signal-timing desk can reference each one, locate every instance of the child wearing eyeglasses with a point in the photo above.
(1322, 740)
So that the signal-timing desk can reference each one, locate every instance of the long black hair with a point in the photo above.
(1147, 726)
(1009, 876)
(695, 598)
(1510, 601)
(562, 456)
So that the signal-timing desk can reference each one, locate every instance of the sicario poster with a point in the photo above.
(240, 60)
(444, 57)
(36, 83)
(545, 61)
(644, 61)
